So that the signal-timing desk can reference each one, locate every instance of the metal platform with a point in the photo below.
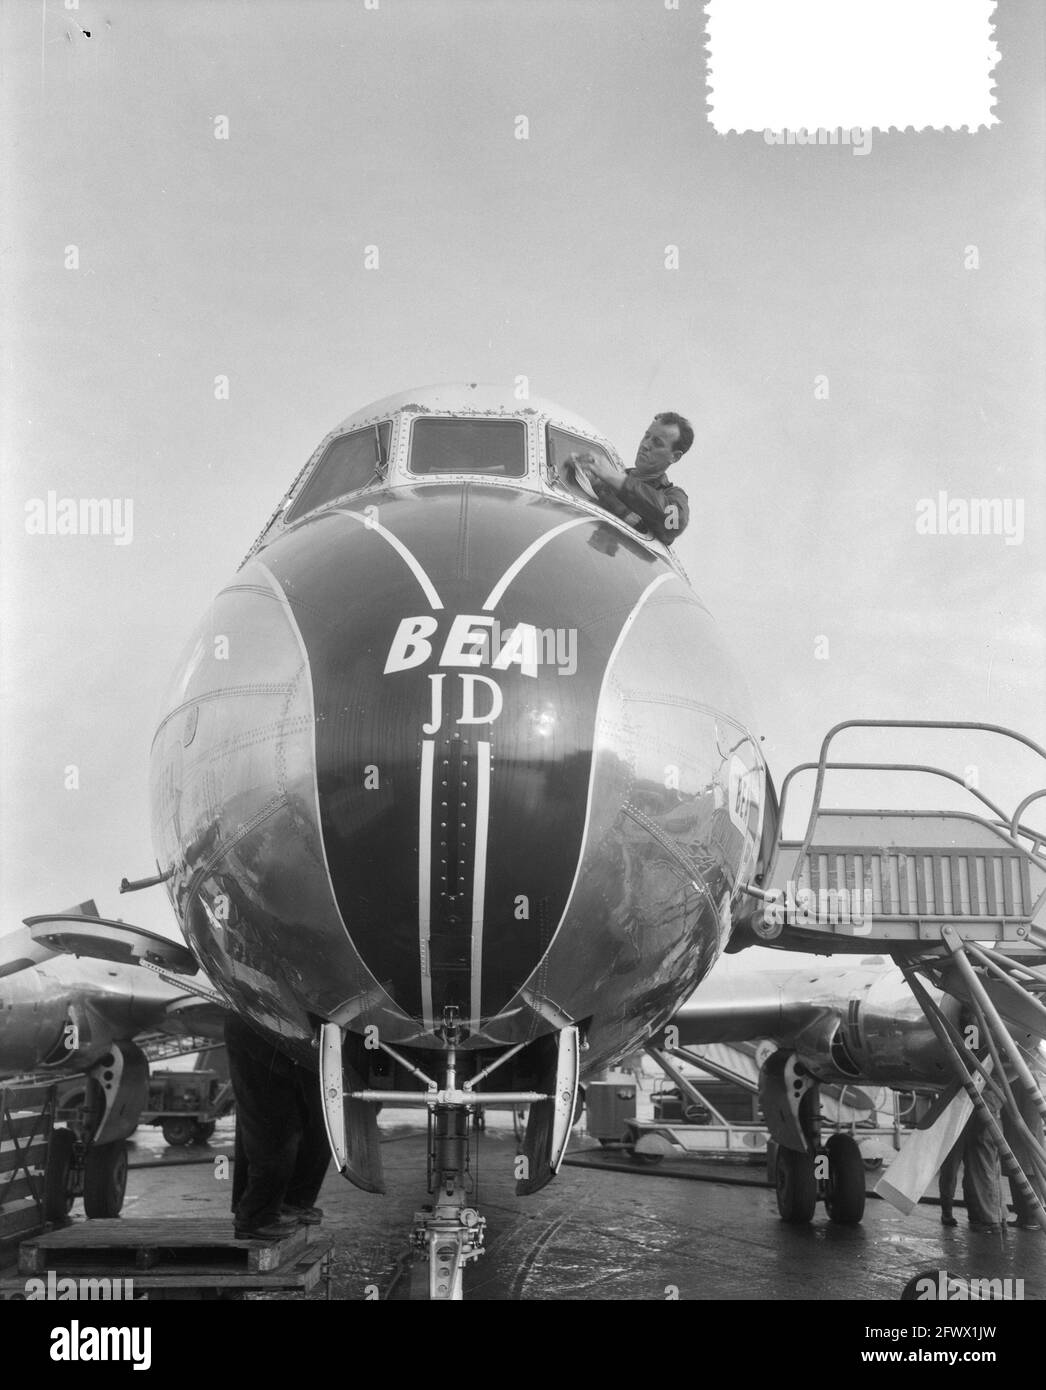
(897, 878)
(958, 899)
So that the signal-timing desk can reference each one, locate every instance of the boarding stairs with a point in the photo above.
(959, 901)
(166, 1049)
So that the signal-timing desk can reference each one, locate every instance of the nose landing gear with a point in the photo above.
(443, 1241)
(445, 1238)
(447, 1235)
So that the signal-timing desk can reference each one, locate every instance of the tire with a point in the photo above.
(796, 1186)
(105, 1179)
(845, 1192)
(57, 1201)
(202, 1131)
(178, 1132)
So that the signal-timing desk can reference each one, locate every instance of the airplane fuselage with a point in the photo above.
(457, 742)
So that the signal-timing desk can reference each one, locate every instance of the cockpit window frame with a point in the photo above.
(555, 477)
(559, 485)
(468, 475)
(384, 429)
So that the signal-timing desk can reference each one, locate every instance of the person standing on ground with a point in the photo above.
(976, 1150)
(282, 1154)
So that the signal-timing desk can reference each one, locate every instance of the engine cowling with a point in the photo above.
(883, 1039)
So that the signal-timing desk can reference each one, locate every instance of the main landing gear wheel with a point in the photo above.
(105, 1179)
(177, 1132)
(57, 1199)
(796, 1186)
(844, 1190)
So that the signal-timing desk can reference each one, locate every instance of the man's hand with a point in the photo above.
(598, 469)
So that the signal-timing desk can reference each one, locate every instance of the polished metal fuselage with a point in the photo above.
(457, 745)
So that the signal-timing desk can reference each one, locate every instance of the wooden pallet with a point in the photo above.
(112, 1245)
(300, 1274)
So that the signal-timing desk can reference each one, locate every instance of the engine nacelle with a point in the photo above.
(883, 1039)
(41, 1025)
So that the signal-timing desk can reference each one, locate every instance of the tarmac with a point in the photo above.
(604, 1229)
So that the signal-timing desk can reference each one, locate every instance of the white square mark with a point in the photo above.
(845, 64)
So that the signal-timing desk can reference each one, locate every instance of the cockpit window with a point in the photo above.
(560, 446)
(494, 448)
(349, 463)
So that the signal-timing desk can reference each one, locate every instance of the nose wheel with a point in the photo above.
(449, 1234)
(445, 1239)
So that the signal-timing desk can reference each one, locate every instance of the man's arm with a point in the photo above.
(608, 498)
(603, 482)
(665, 511)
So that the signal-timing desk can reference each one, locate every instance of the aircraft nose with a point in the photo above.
(457, 652)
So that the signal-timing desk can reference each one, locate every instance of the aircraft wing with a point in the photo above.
(100, 938)
(193, 1017)
(845, 1024)
(775, 1004)
(96, 982)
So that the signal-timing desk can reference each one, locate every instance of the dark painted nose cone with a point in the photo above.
(457, 651)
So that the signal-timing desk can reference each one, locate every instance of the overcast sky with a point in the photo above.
(499, 257)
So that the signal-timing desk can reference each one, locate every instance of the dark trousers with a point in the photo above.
(282, 1154)
(947, 1178)
(1022, 1205)
(981, 1187)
